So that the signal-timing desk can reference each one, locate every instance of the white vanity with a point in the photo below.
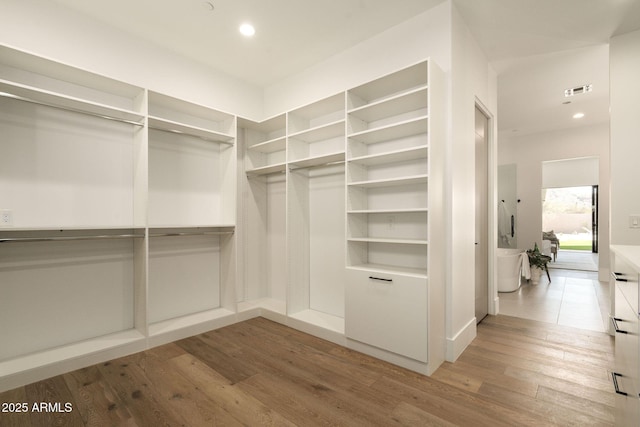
(625, 262)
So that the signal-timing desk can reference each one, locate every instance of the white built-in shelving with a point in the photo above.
(122, 217)
(262, 287)
(315, 214)
(192, 214)
(394, 178)
(126, 225)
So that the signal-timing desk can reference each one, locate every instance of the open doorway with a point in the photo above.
(570, 214)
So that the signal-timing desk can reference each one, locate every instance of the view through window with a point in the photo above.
(568, 212)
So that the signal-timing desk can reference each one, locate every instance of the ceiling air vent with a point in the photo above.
(578, 90)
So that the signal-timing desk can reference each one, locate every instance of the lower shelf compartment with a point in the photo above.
(191, 324)
(47, 363)
(320, 319)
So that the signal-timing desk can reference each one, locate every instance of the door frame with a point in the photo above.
(492, 205)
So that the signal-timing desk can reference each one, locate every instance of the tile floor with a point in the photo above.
(573, 298)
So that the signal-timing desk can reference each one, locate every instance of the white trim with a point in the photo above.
(457, 344)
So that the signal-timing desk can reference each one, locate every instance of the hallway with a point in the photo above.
(573, 298)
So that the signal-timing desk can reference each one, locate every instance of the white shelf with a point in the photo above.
(268, 170)
(325, 159)
(387, 211)
(181, 128)
(57, 100)
(413, 153)
(399, 130)
(320, 319)
(271, 146)
(270, 304)
(188, 321)
(382, 268)
(393, 241)
(409, 180)
(320, 133)
(392, 84)
(413, 100)
(70, 351)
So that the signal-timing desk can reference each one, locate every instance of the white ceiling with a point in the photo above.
(538, 47)
(291, 35)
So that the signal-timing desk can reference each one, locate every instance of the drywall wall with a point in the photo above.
(56, 32)
(625, 128)
(424, 36)
(472, 81)
(529, 151)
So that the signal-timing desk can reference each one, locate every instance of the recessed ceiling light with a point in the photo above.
(247, 30)
(578, 115)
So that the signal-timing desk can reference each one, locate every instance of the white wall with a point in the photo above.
(472, 80)
(529, 151)
(424, 36)
(625, 131)
(53, 31)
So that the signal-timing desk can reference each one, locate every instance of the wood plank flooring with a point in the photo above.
(517, 372)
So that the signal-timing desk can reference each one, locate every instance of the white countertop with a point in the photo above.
(629, 253)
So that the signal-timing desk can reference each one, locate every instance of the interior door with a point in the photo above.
(481, 220)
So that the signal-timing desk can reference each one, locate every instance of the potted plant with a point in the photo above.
(538, 262)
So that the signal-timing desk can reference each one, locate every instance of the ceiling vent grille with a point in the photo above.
(578, 90)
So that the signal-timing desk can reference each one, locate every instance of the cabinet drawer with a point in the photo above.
(388, 311)
(626, 278)
(627, 359)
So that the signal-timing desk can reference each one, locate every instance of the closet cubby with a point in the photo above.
(72, 251)
(263, 284)
(266, 145)
(190, 271)
(192, 217)
(191, 164)
(316, 133)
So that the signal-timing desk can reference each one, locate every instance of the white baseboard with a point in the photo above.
(460, 341)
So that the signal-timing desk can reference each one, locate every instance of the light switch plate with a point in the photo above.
(634, 221)
(6, 218)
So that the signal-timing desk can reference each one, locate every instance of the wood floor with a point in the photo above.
(517, 372)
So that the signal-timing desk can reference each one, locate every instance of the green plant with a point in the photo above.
(536, 258)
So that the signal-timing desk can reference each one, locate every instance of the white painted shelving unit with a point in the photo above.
(124, 202)
(123, 210)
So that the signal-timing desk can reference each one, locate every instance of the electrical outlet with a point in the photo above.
(391, 220)
(6, 217)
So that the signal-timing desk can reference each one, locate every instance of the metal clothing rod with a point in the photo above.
(60, 238)
(324, 165)
(74, 110)
(195, 233)
(190, 134)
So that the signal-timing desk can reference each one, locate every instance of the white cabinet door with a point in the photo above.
(626, 360)
(388, 311)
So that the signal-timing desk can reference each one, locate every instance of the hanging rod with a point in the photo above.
(74, 110)
(323, 165)
(192, 233)
(179, 132)
(62, 238)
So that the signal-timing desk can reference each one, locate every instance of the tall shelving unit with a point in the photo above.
(394, 295)
(263, 257)
(192, 210)
(73, 249)
(315, 216)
